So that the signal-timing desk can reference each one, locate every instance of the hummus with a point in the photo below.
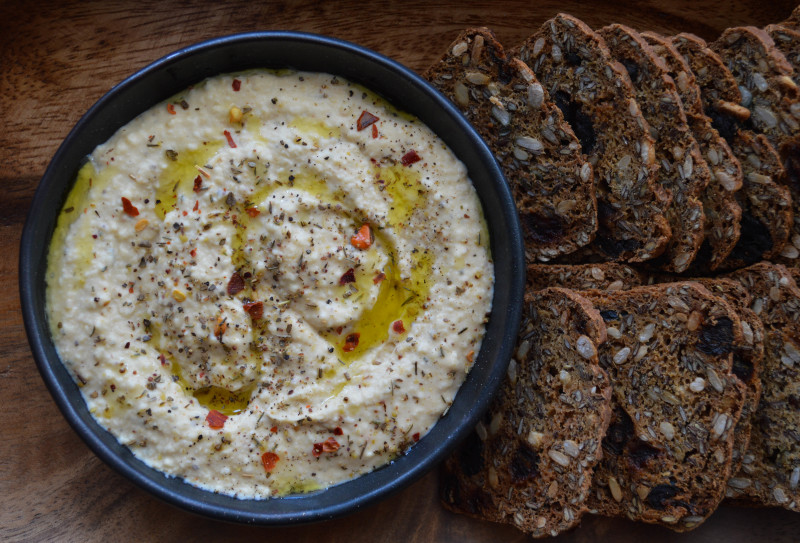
(271, 283)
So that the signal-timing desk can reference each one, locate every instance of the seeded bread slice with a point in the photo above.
(540, 155)
(766, 206)
(768, 90)
(770, 471)
(604, 276)
(722, 211)
(595, 94)
(748, 358)
(787, 41)
(668, 451)
(529, 463)
(767, 217)
(684, 173)
(793, 20)
(765, 80)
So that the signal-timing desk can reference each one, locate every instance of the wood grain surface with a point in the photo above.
(56, 60)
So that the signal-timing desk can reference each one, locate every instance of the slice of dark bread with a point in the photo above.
(765, 81)
(604, 276)
(766, 206)
(668, 451)
(787, 41)
(793, 20)
(767, 216)
(529, 462)
(770, 471)
(596, 96)
(722, 211)
(748, 358)
(684, 172)
(537, 150)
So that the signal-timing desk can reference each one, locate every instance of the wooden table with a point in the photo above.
(56, 60)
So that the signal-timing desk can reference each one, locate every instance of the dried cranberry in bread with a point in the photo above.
(595, 94)
(684, 173)
(604, 276)
(766, 207)
(668, 451)
(770, 471)
(722, 211)
(540, 155)
(529, 462)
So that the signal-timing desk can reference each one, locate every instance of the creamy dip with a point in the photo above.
(271, 283)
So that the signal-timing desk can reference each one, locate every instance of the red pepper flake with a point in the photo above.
(198, 184)
(129, 208)
(196, 205)
(215, 419)
(193, 252)
(410, 158)
(374, 131)
(471, 356)
(253, 211)
(274, 429)
(365, 119)
(378, 278)
(235, 284)
(255, 310)
(330, 445)
(236, 85)
(339, 330)
(162, 359)
(397, 327)
(351, 342)
(230, 139)
(171, 109)
(269, 459)
(415, 437)
(363, 239)
(338, 431)
(348, 277)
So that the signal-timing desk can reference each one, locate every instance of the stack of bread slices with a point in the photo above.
(657, 179)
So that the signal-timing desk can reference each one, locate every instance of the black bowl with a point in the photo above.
(404, 89)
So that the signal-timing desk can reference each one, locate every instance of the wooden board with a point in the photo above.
(57, 59)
